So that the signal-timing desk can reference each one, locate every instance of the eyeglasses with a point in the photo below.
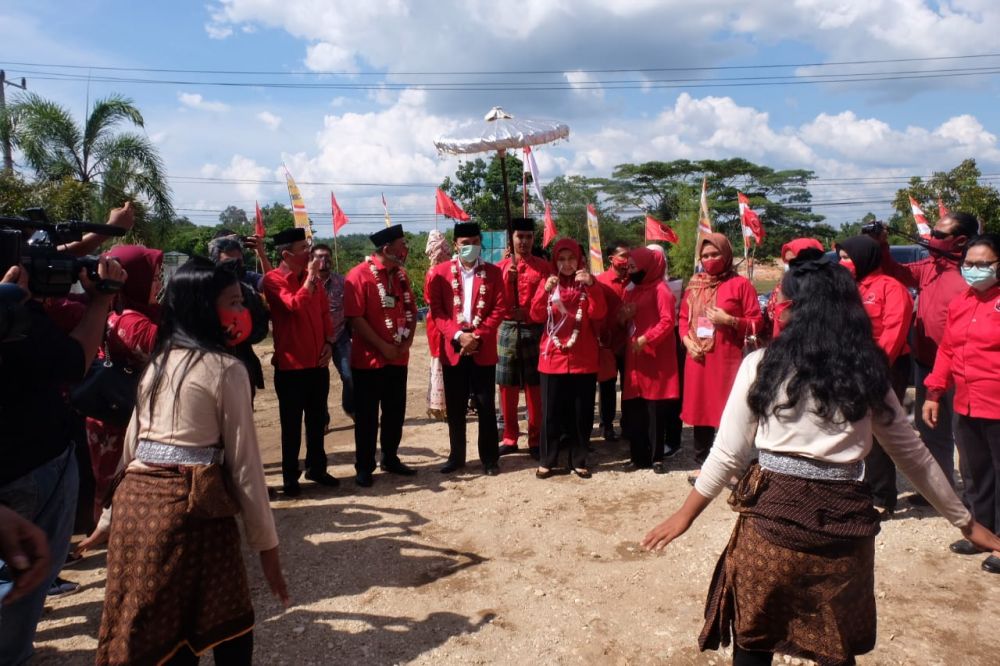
(939, 235)
(979, 264)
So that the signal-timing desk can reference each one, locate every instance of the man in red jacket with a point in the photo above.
(938, 281)
(466, 300)
(518, 339)
(613, 335)
(303, 347)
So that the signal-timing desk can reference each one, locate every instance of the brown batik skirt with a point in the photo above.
(798, 574)
(175, 570)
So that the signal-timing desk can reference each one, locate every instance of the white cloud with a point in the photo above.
(325, 57)
(272, 121)
(240, 168)
(584, 84)
(196, 101)
(217, 31)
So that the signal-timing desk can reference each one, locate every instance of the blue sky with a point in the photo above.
(212, 135)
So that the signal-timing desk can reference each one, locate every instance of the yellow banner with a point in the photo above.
(298, 206)
(596, 261)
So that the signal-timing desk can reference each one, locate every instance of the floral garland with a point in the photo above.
(383, 295)
(456, 293)
(578, 317)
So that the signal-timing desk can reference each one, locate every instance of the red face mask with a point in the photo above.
(620, 264)
(714, 266)
(236, 325)
(849, 265)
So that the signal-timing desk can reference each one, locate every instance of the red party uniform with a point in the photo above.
(362, 299)
(301, 319)
(613, 335)
(890, 309)
(559, 313)
(488, 288)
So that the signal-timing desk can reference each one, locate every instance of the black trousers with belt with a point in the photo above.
(302, 393)
(478, 381)
(567, 417)
(880, 471)
(609, 393)
(383, 387)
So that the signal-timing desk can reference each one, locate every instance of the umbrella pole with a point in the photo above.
(506, 197)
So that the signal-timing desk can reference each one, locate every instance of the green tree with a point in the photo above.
(235, 219)
(478, 189)
(959, 189)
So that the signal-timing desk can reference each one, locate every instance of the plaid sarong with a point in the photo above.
(518, 365)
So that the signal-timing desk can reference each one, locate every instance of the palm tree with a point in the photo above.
(116, 165)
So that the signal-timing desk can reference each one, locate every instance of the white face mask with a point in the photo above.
(469, 253)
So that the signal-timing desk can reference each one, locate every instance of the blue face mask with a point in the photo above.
(469, 253)
(980, 278)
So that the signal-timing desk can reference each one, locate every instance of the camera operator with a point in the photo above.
(938, 280)
(123, 218)
(38, 478)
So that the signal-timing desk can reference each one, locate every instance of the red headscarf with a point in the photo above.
(568, 289)
(796, 245)
(650, 261)
(703, 287)
(142, 264)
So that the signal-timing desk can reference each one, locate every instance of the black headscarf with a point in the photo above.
(865, 252)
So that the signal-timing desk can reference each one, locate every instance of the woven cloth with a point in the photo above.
(518, 364)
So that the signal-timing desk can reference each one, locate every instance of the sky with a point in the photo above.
(350, 95)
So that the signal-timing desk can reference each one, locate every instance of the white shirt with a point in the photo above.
(468, 278)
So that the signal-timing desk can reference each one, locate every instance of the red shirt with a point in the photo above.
(582, 357)
(612, 334)
(652, 373)
(969, 355)
(441, 299)
(531, 272)
(301, 320)
(890, 309)
(362, 299)
(939, 281)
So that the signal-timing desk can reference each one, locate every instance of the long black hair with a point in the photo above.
(188, 321)
(826, 353)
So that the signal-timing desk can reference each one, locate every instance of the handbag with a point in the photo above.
(752, 342)
(107, 393)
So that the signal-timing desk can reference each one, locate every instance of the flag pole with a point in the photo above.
(336, 252)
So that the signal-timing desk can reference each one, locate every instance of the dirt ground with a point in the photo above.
(470, 569)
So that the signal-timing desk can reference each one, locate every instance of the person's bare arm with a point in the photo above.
(123, 218)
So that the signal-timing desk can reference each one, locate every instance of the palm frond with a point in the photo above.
(105, 114)
(49, 138)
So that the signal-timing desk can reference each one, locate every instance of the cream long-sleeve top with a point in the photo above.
(799, 432)
(212, 408)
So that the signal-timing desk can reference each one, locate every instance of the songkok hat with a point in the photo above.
(467, 229)
(523, 224)
(289, 236)
(387, 235)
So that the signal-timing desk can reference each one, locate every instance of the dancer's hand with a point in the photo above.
(665, 532)
(270, 563)
(981, 537)
(95, 539)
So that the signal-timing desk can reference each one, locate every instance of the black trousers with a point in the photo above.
(978, 443)
(302, 393)
(234, 652)
(880, 471)
(674, 426)
(383, 387)
(462, 381)
(567, 416)
(609, 394)
(704, 436)
(647, 425)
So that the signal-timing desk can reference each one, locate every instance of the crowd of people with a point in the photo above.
(795, 406)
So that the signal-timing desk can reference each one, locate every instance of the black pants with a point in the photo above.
(647, 425)
(743, 657)
(609, 394)
(567, 416)
(234, 652)
(674, 426)
(302, 392)
(462, 381)
(978, 443)
(703, 438)
(880, 471)
(373, 388)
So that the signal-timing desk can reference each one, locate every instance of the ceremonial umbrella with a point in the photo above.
(501, 131)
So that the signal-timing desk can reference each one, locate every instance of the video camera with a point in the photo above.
(51, 272)
(874, 228)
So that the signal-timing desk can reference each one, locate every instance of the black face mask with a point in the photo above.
(234, 266)
(637, 277)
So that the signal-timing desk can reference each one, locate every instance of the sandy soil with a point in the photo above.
(471, 569)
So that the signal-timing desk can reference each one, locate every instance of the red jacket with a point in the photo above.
(361, 299)
(433, 335)
(301, 320)
(890, 309)
(612, 334)
(531, 272)
(651, 374)
(969, 355)
(938, 281)
(440, 297)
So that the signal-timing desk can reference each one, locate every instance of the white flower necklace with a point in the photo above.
(578, 317)
(456, 294)
(383, 295)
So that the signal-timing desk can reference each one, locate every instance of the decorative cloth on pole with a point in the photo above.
(550, 226)
(339, 219)
(258, 228)
(704, 220)
(752, 226)
(443, 205)
(942, 209)
(385, 207)
(596, 261)
(659, 231)
(298, 205)
(532, 168)
(923, 228)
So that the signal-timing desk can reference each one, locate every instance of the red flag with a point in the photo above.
(942, 209)
(339, 219)
(258, 229)
(658, 231)
(749, 219)
(923, 228)
(550, 232)
(443, 205)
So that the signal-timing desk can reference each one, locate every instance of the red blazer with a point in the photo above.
(582, 357)
(433, 334)
(440, 298)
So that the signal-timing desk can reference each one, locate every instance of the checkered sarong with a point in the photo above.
(518, 366)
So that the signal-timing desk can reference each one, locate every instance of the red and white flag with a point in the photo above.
(659, 231)
(550, 231)
(942, 209)
(704, 220)
(258, 228)
(752, 226)
(339, 219)
(923, 228)
(531, 167)
(443, 205)
(385, 207)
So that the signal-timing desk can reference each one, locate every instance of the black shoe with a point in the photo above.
(609, 434)
(884, 513)
(671, 451)
(399, 468)
(544, 474)
(451, 466)
(507, 449)
(918, 501)
(364, 480)
(535, 452)
(582, 472)
(632, 466)
(992, 564)
(964, 547)
(322, 478)
(291, 489)
(659, 468)
(492, 470)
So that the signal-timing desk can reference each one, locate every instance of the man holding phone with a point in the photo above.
(333, 283)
